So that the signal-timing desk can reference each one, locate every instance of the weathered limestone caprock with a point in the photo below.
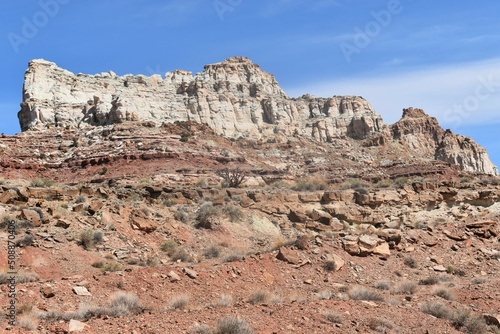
(236, 99)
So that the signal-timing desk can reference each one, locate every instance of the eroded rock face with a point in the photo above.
(423, 134)
(235, 98)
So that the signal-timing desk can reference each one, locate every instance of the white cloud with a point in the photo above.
(455, 94)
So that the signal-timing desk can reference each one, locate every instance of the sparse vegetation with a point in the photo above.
(333, 317)
(311, 184)
(233, 257)
(42, 183)
(355, 184)
(478, 280)
(179, 302)
(410, 262)
(25, 241)
(429, 281)
(169, 247)
(182, 215)
(400, 182)
(444, 293)
(259, 297)
(199, 329)
(384, 184)
(232, 325)
(380, 324)
(464, 320)
(224, 301)
(406, 287)
(80, 199)
(28, 322)
(233, 178)
(330, 265)
(211, 252)
(122, 304)
(111, 267)
(362, 293)
(89, 238)
(206, 212)
(437, 309)
(383, 285)
(21, 277)
(234, 213)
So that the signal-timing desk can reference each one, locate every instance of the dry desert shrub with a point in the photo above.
(258, 297)
(380, 324)
(179, 302)
(199, 329)
(383, 285)
(464, 320)
(406, 287)
(21, 277)
(42, 183)
(311, 184)
(233, 325)
(410, 262)
(224, 301)
(212, 252)
(28, 322)
(437, 310)
(362, 293)
(123, 303)
(444, 293)
(234, 213)
(333, 317)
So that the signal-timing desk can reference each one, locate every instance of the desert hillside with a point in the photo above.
(216, 204)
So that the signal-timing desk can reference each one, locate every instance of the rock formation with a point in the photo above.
(236, 99)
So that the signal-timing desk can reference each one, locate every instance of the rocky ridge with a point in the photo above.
(237, 100)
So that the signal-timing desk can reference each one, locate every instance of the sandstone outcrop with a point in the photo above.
(236, 99)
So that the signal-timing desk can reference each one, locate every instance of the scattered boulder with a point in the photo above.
(289, 256)
(81, 291)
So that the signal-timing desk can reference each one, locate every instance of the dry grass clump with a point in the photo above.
(42, 183)
(437, 310)
(333, 317)
(224, 301)
(311, 184)
(179, 302)
(259, 297)
(123, 303)
(120, 304)
(478, 280)
(89, 238)
(204, 215)
(233, 256)
(380, 325)
(234, 213)
(199, 329)
(233, 325)
(463, 319)
(406, 287)
(410, 262)
(444, 293)
(28, 322)
(432, 280)
(182, 215)
(212, 252)
(21, 277)
(325, 294)
(362, 293)
(383, 285)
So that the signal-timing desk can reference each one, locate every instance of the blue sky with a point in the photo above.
(442, 56)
